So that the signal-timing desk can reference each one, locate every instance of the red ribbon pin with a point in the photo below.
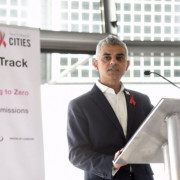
(132, 101)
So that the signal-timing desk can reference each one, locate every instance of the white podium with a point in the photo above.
(157, 140)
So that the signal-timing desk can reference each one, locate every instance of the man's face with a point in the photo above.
(111, 63)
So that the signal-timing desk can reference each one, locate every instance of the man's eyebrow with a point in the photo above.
(121, 54)
(106, 54)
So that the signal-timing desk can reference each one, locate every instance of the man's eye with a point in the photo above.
(106, 58)
(119, 58)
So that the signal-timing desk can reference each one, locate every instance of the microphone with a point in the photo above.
(149, 72)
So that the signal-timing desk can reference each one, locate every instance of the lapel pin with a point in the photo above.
(132, 101)
(127, 92)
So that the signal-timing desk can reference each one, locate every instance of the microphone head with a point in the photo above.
(147, 72)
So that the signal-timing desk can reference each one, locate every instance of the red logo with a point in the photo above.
(2, 37)
(132, 101)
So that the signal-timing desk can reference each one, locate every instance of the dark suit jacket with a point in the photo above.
(95, 134)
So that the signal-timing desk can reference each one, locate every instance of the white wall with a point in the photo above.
(55, 100)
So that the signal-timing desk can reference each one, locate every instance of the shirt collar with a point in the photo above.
(104, 88)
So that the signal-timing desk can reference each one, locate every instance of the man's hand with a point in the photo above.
(117, 166)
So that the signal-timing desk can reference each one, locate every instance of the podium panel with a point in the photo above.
(146, 144)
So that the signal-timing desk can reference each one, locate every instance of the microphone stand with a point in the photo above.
(149, 72)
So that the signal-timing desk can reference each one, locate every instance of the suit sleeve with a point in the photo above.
(81, 153)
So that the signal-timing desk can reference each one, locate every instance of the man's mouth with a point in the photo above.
(113, 69)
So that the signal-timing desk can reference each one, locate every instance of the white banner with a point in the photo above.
(21, 142)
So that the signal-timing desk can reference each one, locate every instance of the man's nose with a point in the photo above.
(113, 60)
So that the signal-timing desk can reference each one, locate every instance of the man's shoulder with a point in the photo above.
(85, 96)
(82, 96)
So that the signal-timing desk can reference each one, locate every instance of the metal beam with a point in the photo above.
(85, 43)
(69, 42)
(155, 47)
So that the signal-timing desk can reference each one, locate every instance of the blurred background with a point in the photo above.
(69, 32)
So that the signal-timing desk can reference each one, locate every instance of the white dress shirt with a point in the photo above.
(117, 102)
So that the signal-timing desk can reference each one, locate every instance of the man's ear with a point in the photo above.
(127, 66)
(95, 63)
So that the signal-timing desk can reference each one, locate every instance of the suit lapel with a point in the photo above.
(104, 105)
(130, 112)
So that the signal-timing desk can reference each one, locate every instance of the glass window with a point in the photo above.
(137, 7)
(157, 61)
(64, 16)
(118, 17)
(147, 61)
(157, 18)
(75, 16)
(127, 73)
(127, 7)
(177, 30)
(97, 28)
(3, 12)
(75, 27)
(85, 5)
(24, 2)
(74, 73)
(24, 14)
(167, 73)
(167, 8)
(147, 29)
(95, 74)
(167, 19)
(147, 18)
(147, 7)
(75, 5)
(127, 18)
(137, 29)
(176, 61)
(136, 73)
(177, 19)
(13, 2)
(136, 62)
(85, 16)
(137, 18)
(176, 73)
(127, 29)
(167, 61)
(13, 13)
(167, 30)
(85, 27)
(96, 5)
(63, 4)
(177, 8)
(163, 18)
(63, 61)
(157, 30)
(74, 60)
(157, 8)
(85, 73)
(157, 71)
(64, 27)
(96, 17)
(118, 6)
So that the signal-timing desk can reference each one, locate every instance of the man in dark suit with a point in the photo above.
(101, 122)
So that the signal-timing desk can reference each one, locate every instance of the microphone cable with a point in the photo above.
(150, 72)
